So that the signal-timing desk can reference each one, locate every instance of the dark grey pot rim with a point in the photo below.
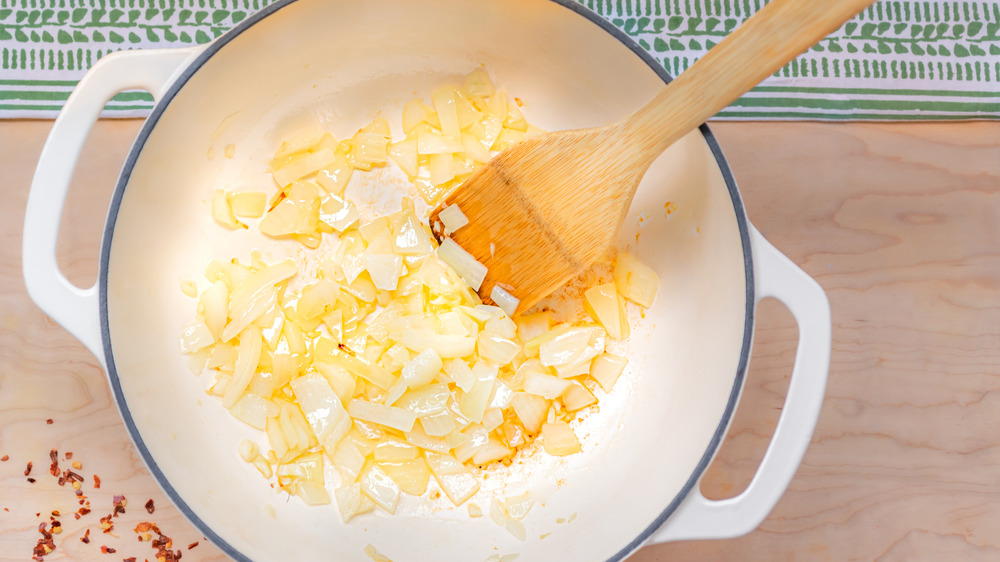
(154, 118)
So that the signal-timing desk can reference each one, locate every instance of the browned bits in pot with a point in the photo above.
(150, 508)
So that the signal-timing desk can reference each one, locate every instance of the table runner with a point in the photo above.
(897, 60)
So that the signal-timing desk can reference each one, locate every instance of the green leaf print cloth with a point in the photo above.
(899, 60)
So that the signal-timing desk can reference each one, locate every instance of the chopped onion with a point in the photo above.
(323, 410)
(195, 336)
(348, 459)
(252, 410)
(222, 212)
(248, 450)
(605, 306)
(453, 218)
(473, 403)
(606, 369)
(302, 166)
(454, 478)
(577, 397)
(249, 204)
(635, 280)
(351, 502)
(254, 296)
(463, 263)
(389, 416)
(382, 489)
(422, 369)
(517, 507)
(531, 409)
(546, 386)
(410, 475)
(246, 365)
(504, 300)
(559, 440)
(393, 449)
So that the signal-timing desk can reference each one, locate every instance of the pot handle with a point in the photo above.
(75, 308)
(700, 518)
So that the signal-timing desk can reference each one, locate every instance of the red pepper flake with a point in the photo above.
(49, 421)
(31, 480)
(106, 523)
(69, 455)
(130, 559)
(97, 481)
(107, 550)
(54, 467)
(6, 509)
(27, 470)
(150, 507)
(120, 503)
(192, 545)
(5, 458)
(46, 545)
(85, 539)
(55, 513)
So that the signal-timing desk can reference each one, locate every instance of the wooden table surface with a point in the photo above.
(900, 223)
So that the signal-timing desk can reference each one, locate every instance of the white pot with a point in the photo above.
(341, 62)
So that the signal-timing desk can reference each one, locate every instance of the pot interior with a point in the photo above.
(338, 65)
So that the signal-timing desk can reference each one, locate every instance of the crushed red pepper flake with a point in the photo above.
(107, 550)
(54, 467)
(69, 455)
(97, 481)
(129, 559)
(5, 458)
(120, 503)
(46, 545)
(27, 470)
(31, 480)
(85, 539)
(49, 421)
(106, 523)
(150, 508)
(192, 545)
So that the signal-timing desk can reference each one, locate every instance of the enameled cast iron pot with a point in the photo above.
(341, 63)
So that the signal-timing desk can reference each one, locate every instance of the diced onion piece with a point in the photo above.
(454, 478)
(516, 528)
(254, 296)
(429, 142)
(453, 218)
(463, 263)
(419, 436)
(338, 213)
(442, 168)
(492, 451)
(517, 507)
(577, 397)
(334, 177)
(195, 336)
(504, 300)
(348, 460)
(501, 396)
(530, 326)
(410, 475)
(496, 348)
(351, 502)
(261, 465)
(222, 212)
(389, 416)
(605, 306)
(312, 493)
(382, 489)
(189, 288)
(546, 386)
(302, 166)
(473, 403)
(475, 510)
(323, 410)
(249, 204)
(248, 450)
(414, 113)
(606, 369)
(492, 417)
(559, 440)
(635, 280)
(246, 365)
(531, 409)
(214, 303)
(252, 410)
(478, 83)
(422, 369)
(497, 512)
(443, 98)
(384, 269)
(502, 325)
(393, 449)
(565, 348)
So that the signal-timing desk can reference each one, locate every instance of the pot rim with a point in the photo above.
(195, 66)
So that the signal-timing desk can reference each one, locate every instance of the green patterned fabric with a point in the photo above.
(898, 60)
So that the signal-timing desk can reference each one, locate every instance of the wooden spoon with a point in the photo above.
(542, 211)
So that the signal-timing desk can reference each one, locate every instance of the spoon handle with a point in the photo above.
(757, 49)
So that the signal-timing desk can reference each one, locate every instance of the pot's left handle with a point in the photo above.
(75, 308)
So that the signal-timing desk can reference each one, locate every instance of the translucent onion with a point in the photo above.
(463, 263)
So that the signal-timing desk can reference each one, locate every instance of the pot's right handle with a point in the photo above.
(75, 308)
(700, 518)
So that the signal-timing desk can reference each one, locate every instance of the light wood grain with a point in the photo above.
(899, 223)
(541, 212)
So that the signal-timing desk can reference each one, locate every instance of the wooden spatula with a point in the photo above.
(542, 211)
